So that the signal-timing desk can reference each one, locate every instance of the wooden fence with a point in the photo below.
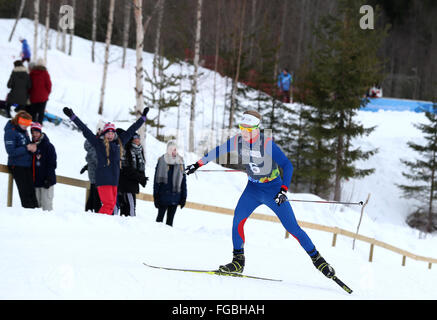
(258, 216)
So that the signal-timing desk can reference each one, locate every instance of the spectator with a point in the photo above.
(25, 50)
(93, 203)
(132, 173)
(44, 165)
(20, 84)
(40, 91)
(170, 186)
(284, 85)
(108, 151)
(20, 150)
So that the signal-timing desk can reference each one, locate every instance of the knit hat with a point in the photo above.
(108, 127)
(36, 126)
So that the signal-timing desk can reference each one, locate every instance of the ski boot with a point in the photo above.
(237, 264)
(323, 266)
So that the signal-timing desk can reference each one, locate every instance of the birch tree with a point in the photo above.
(158, 34)
(138, 13)
(107, 46)
(94, 30)
(36, 23)
(195, 74)
(70, 47)
(19, 14)
(46, 40)
(126, 27)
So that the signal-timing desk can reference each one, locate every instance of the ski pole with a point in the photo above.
(228, 170)
(332, 202)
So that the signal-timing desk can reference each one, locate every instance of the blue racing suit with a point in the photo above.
(261, 158)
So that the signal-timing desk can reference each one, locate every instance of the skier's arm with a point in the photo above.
(229, 146)
(87, 133)
(125, 136)
(281, 159)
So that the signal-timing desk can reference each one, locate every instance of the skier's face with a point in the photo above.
(249, 133)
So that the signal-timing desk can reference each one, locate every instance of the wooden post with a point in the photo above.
(429, 265)
(371, 252)
(10, 189)
(334, 239)
(404, 258)
(286, 234)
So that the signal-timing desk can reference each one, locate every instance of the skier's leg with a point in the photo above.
(246, 205)
(286, 216)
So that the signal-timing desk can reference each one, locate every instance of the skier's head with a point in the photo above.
(36, 131)
(109, 131)
(249, 125)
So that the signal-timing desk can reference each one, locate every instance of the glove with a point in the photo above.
(156, 201)
(182, 203)
(192, 168)
(281, 196)
(145, 111)
(143, 181)
(68, 112)
(46, 184)
(85, 168)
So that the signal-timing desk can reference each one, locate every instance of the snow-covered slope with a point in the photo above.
(69, 254)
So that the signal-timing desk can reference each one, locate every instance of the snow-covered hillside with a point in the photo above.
(70, 254)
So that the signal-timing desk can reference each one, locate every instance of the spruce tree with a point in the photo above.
(422, 173)
(343, 66)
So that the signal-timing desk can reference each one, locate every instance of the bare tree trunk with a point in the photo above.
(195, 75)
(46, 40)
(20, 13)
(280, 40)
(158, 34)
(93, 31)
(217, 46)
(36, 23)
(126, 26)
(252, 30)
(237, 73)
(138, 13)
(149, 17)
(70, 48)
(107, 46)
(301, 25)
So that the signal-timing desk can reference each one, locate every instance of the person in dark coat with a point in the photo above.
(43, 165)
(109, 151)
(40, 91)
(93, 203)
(20, 84)
(170, 186)
(20, 150)
(132, 174)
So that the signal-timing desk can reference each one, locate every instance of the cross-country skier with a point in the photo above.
(262, 159)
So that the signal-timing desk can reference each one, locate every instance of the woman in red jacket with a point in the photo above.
(40, 91)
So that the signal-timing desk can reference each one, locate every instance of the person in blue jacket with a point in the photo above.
(108, 150)
(262, 159)
(43, 165)
(25, 50)
(284, 85)
(20, 150)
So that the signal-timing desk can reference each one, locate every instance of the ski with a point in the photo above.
(341, 284)
(212, 272)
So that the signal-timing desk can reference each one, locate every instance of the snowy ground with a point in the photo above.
(70, 254)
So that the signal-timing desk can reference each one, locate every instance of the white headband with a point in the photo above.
(250, 120)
